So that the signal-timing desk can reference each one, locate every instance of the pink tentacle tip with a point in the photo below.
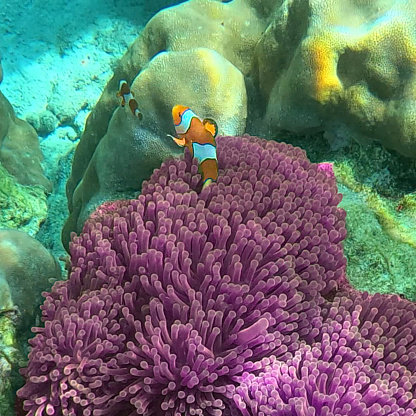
(328, 168)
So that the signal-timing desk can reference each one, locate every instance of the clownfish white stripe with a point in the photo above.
(186, 119)
(204, 151)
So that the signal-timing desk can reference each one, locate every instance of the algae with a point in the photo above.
(22, 207)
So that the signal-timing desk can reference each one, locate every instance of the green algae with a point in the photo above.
(21, 207)
(11, 359)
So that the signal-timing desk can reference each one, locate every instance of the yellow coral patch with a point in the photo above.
(323, 62)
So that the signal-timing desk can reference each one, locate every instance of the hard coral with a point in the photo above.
(176, 295)
(24, 264)
(345, 68)
(20, 153)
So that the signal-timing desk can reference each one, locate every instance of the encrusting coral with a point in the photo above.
(188, 302)
(345, 68)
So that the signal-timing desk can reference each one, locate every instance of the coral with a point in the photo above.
(107, 178)
(10, 358)
(211, 77)
(26, 268)
(174, 295)
(44, 123)
(347, 70)
(25, 264)
(20, 154)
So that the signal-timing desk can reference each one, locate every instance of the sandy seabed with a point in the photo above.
(57, 56)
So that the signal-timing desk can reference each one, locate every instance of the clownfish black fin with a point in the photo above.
(211, 126)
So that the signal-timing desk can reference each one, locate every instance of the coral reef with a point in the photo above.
(346, 68)
(174, 295)
(306, 69)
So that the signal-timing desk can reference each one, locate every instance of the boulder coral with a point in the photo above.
(20, 153)
(215, 80)
(26, 269)
(344, 68)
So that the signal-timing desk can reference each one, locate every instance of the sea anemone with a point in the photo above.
(176, 296)
(361, 363)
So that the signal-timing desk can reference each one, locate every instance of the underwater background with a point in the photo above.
(276, 279)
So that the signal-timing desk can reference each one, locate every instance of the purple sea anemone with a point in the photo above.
(177, 298)
(361, 363)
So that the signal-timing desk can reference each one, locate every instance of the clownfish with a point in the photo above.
(199, 137)
(127, 97)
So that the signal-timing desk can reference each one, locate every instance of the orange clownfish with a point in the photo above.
(127, 97)
(199, 137)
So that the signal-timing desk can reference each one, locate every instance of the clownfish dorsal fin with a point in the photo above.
(211, 126)
(179, 142)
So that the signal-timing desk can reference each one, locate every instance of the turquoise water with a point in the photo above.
(336, 80)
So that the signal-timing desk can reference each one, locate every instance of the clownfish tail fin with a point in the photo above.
(211, 126)
(207, 182)
(134, 107)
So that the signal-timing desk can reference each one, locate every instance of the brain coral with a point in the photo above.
(173, 297)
